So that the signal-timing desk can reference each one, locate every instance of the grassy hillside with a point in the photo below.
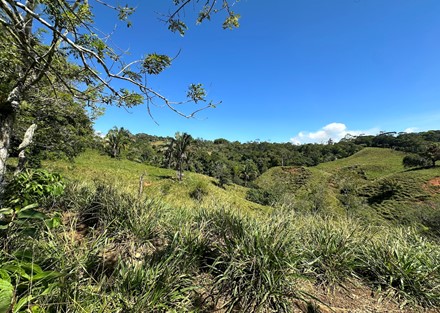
(194, 191)
(372, 184)
(375, 162)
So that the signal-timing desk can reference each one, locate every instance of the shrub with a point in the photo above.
(415, 161)
(200, 191)
(34, 186)
(261, 196)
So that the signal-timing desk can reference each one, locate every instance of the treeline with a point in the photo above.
(407, 142)
(227, 161)
(241, 163)
(65, 131)
(423, 147)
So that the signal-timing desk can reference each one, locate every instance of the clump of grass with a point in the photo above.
(404, 263)
(106, 207)
(329, 250)
(159, 285)
(254, 268)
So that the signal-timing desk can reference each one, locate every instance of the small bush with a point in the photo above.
(200, 191)
(261, 196)
(415, 161)
(34, 186)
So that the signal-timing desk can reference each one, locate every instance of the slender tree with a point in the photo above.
(182, 144)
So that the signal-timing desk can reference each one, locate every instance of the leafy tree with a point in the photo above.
(222, 173)
(29, 60)
(250, 171)
(116, 140)
(140, 149)
(432, 153)
(64, 129)
(414, 161)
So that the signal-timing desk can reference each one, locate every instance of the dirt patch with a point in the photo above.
(292, 170)
(432, 185)
(435, 182)
(354, 297)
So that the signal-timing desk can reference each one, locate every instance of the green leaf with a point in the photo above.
(53, 222)
(30, 213)
(48, 275)
(14, 269)
(4, 226)
(6, 211)
(30, 206)
(22, 302)
(6, 295)
(4, 275)
(37, 309)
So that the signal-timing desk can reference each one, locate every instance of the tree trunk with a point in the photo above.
(8, 111)
(27, 140)
(179, 170)
(6, 122)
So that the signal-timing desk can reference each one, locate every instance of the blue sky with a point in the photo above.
(300, 71)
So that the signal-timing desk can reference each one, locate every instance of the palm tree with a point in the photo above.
(116, 140)
(176, 152)
(182, 143)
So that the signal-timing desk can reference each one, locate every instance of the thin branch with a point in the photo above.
(179, 9)
(93, 56)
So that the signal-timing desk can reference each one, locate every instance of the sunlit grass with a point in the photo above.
(158, 183)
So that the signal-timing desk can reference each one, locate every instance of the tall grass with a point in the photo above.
(404, 263)
(330, 249)
(254, 269)
(115, 252)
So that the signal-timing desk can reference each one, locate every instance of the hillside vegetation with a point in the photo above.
(341, 236)
(372, 185)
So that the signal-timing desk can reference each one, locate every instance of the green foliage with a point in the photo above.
(200, 191)
(155, 63)
(232, 21)
(330, 251)
(196, 93)
(432, 152)
(253, 270)
(117, 140)
(176, 25)
(261, 196)
(26, 192)
(414, 161)
(177, 152)
(64, 128)
(22, 284)
(34, 186)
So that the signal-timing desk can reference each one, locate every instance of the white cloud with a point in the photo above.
(99, 133)
(334, 131)
(411, 130)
